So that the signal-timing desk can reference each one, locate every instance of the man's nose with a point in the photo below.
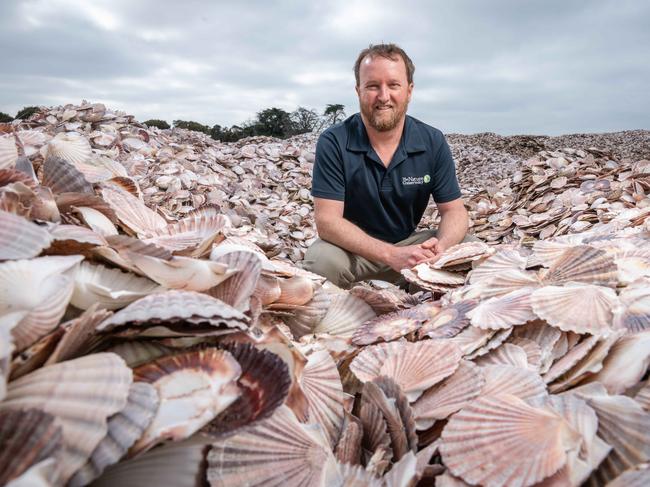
(383, 93)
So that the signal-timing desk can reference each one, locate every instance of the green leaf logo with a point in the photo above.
(427, 178)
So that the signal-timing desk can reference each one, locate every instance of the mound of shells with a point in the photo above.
(154, 329)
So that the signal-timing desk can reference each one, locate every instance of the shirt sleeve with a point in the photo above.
(328, 180)
(445, 186)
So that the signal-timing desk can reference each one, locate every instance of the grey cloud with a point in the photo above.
(506, 66)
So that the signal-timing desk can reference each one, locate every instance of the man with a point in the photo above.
(373, 176)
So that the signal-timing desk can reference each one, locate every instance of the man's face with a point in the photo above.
(384, 92)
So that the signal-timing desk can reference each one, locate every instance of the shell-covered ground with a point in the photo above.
(156, 328)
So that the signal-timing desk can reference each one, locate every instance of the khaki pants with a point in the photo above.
(343, 268)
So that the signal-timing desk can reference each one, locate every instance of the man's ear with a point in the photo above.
(410, 92)
(356, 88)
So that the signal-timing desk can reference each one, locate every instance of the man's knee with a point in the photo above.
(329, 261)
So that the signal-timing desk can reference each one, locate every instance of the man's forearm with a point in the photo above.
(453, 227)
(347, 235)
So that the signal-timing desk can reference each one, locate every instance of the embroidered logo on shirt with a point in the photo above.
(411, 180)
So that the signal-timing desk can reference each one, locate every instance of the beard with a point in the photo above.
(384, 120)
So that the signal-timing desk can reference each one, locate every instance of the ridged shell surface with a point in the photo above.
(20, 238)
(82, 394)
(583, 263)
(345, 314)
(71, 147)
(504, 311)
(506, 379)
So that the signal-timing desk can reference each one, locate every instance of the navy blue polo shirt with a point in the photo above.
(386, 202)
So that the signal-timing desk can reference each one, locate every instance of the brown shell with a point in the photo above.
(450, 321)
(637, 476)
(376, 438)
(348, 447)
(63, 177)
(384, 300)
(200, 383)
(26, 437)
(276, 451)
(192, 235)
(124, 428)
(449, 396)
(20, 238)
(583, 263)
(191, 310)
(386, 327)
(506, 379)
(634, 313)
(132, 212)
(264, 385)
(81, 394)
(504, 311)
(238, 288)
(581, 308)
(306, 319)
(501, 440)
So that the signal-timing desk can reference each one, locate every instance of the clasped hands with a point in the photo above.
(409, 256)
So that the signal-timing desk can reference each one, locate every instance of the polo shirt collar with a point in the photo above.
(358, 136)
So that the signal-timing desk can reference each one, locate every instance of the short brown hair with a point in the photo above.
(388, 51)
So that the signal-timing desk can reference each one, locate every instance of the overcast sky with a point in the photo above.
(505, 66)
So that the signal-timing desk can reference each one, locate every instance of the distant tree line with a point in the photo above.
(274, 122)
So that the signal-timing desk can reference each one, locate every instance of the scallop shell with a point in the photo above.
(384, 300)
(132, 212)
(507, 379)
(579, 308)
(278, 451)
(449, 396)
(136, 353)
(463, 252)
(404, 472)
(386, 327)
(20, 238)
(27, 437)
(267, 289)
(399, 440)
(494, 340)
(417, 366)
(344, 315)
(472, 339)
(426, 273)
(634, 313)
(348, 447)
(124, 428)
(367, 364)
(183, 273)
(263, 384)
(194, 234)
(501, 440)
(626, 363)
(503, 260)
(583, 263)
(643, 396)
(306, 319)
(508, 281)
(195, 311)
(321, 384)
(177, 463)
(126, 184)
(506, 354)
(193, 387)
(78, 335)
(81, 394)
(110, 288)
(544, 335)
(632, 265)
(62, 177)
(96, 220)
(588, 364)
(532, 349)
(449, 322)
(239, 287)
(296, 290)
(36, 286)
(504, 311)
(624, 425)
(354, 475)
(583, 420)
(69, 146)
(376, 439)
(637, 476)
(8, 151)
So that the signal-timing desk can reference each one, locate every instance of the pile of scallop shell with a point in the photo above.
(145, 344)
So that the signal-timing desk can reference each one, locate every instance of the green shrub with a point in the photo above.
(154, 122)
(4, 118)
(190, 125)
(27, 112)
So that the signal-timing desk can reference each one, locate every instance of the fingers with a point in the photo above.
(429, 244)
